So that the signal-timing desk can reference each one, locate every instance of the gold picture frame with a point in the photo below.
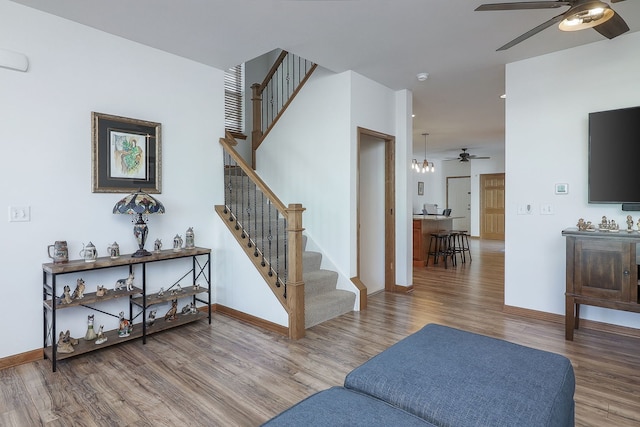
(125, 155)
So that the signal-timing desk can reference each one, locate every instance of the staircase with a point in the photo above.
(265, 231)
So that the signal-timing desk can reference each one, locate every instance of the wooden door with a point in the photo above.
(459, 201)
(492, 206)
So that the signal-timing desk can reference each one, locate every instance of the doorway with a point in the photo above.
(375, 207)
(492, 206)
(459, 201)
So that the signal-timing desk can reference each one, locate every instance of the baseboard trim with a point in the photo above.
(21, 359)
(252, 320)
(584, 323)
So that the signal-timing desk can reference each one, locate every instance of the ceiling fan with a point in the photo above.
(580, 15)
(465, 157)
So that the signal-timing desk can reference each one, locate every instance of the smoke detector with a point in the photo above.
(422, 76)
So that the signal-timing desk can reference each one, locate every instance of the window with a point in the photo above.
(233, 101)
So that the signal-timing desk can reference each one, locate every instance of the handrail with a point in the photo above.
(269, 232)
(228, 142)
(283, 82)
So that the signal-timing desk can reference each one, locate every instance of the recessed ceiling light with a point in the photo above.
(422, 76)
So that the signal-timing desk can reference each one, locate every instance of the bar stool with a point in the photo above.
(462, 244)
(440, 246)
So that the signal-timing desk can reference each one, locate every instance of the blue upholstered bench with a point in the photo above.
(450, 377)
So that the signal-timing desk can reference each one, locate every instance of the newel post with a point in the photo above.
(256, 133)
(295, 285)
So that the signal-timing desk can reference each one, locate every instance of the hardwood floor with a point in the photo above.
(233, 374)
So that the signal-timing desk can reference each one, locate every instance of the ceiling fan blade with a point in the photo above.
(616, 1)
(523, 5)
(478, 157)
(613, 27)
(532, 32)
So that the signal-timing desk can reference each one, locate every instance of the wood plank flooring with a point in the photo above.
(233, 374)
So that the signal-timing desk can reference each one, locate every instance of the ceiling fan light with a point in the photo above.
(586, 15)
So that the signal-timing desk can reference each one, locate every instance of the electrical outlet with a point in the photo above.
(19, 213)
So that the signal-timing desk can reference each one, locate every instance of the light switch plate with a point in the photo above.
(19, 213)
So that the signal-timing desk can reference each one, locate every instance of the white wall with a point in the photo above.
(46, 136)
(548, 101)
(316, 141)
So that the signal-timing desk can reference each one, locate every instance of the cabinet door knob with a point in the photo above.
(626, 272)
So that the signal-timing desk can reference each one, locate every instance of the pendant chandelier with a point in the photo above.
(425, 166)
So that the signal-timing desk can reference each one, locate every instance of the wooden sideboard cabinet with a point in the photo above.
(602, 271)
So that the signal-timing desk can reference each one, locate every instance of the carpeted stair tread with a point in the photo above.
(311, 261)
(319, 281)
(327, 305)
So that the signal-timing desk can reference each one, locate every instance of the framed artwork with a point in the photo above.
(125, 155)
(562, 188)
(420, 188)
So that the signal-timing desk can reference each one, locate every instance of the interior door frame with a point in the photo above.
(389, 216)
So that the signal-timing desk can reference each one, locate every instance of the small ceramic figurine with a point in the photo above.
(64, 343)
(101, 336)
(78, 292)
(161, 292)
(157, 245)
(125, 283)
(193, 308)
(189, 239)
(125, 328)
(177, 243)
(582, 225)
(629, 223)
(173, 311)
(89, 252)
(196, 286)
(66, 295)
(101, 291)
(151, 318)
(91, 334)
(186, 309)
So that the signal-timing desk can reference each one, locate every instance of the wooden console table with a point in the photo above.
(602, 271)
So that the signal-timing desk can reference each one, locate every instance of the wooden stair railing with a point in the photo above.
(251, 212)
(272, 97)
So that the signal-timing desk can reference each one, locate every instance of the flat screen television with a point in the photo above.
(614, 157)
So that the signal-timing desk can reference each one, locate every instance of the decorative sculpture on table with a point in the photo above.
(125, 283)
(125, 328)
(101, 291)
(66, 295)
(629, 223)
(78, 292)
(157, 245)
(173, 311)
(151, 318)
(66, 343)
(101, 336)
(91, 334)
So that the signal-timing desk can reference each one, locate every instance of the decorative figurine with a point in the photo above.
(125, 328)
(179, 288)
(196, 286)
(101, 336)
(91, 334)
(189, 239)
(177, 243)
(151, 318)
(186, 309)
(78, 292)
(65, 343)
(101, 291)
(114, 250)
(157, 245)
(89, 252)
(125, 283)
(173, 311)
(161, 292)
(629, 224)
(582, 225)
(66, 295)
(613, 226)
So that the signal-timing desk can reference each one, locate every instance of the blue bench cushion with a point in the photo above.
(338, 406)
(455, 378)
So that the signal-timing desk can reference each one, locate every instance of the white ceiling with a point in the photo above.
(389, 41)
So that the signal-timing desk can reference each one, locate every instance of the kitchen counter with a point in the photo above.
(423, 226)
